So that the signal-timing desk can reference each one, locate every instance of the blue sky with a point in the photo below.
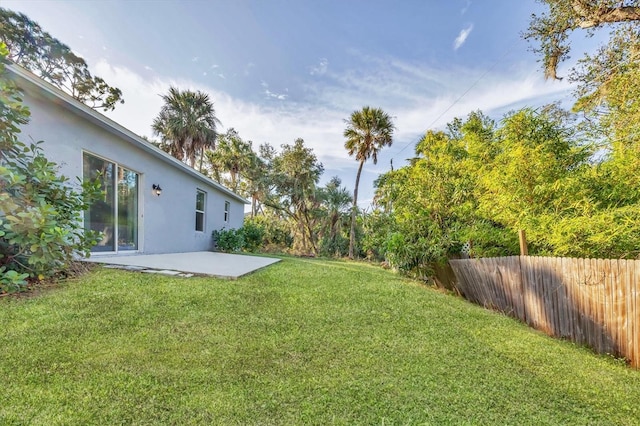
(282, 69)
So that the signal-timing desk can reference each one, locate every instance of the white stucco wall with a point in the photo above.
(167, 222)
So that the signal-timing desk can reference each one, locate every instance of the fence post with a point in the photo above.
(523, 242)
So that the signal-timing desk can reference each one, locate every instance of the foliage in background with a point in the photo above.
(290, 212)
(236, 165)
(276, 235)
(253, 236)
(233, 157)
(40, 213)
(535, 179)
(570, 181)
(228, 240)
(247, 238)
(482, 182)
(37, 51)
(295, 173)
(335, 202)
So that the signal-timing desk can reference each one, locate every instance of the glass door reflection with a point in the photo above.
(115, 213)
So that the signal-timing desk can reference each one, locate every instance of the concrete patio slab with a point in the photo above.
(201, 262)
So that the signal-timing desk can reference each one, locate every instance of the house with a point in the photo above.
(152, 203)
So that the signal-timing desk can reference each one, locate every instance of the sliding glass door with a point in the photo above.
(115, 214)
(127, 209)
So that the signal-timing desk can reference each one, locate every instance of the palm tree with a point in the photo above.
(187, 123)
(233, 156)
(368, 131)
(336, 200)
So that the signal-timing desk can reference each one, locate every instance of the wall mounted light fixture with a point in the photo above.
(156, 189)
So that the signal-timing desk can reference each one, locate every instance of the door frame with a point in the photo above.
(139, 200)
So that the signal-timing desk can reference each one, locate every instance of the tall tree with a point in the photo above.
(36, 50)
(368, 131)
(232, 156)
(551, 30)
(607, 90)
(256, 181)
(236, 165)
(336, 200)
(295, 173)
(602, 78)
(187, 123)
(532, 177)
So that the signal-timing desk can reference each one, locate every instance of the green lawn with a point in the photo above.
(301, 342)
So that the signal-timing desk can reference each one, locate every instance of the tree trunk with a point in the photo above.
(234, 176)
(253, 206)
(309, 227)
(201, 160)
(333, 232)
(303, 234)
(354, 211)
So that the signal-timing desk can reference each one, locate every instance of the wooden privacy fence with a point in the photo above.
(594, 302)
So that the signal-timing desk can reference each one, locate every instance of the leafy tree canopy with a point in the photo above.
(39, 52)
(608, 85)
(551, 30)
(294, 176)
(187, 124)
(480, 181)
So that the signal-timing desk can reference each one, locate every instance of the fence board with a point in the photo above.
(627, 349)
(581, 309)
(553, 310)
(566, 313)
(611, 310)
(596, 304)
(589, 301)
(635, 361)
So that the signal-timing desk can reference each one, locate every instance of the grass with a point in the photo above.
(301, 342)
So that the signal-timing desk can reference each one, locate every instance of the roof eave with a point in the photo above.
(111, 126)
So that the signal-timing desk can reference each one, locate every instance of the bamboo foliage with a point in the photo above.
(591, 302)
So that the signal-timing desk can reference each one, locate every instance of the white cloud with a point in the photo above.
(414, 94)
(195, 59)
(260, 123)
(321, 68)
(462, 37)
(273, 95)
(279, 96)
(466, 7)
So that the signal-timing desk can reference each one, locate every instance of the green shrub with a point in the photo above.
(12, 281)
(336, 247)
(247, 238)
(229, 240)
(276, 235)
(253, 235)
(40, 213)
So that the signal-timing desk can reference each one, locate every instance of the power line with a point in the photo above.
(507, 52)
